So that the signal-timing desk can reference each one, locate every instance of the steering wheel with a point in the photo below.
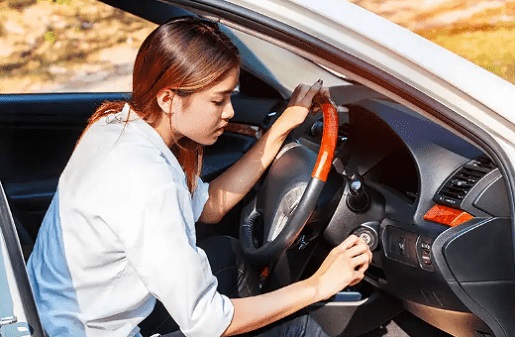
(285, 202)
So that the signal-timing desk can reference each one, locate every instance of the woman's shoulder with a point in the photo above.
(122, 155)
(144, 162)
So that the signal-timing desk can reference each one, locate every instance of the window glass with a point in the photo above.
(481, 31)
(67, 46)
(274, 63)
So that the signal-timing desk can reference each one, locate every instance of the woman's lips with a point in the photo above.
(221, 129)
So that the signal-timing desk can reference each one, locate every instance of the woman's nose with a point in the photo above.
(228, 111)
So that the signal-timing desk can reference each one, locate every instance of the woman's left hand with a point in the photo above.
(299, 105)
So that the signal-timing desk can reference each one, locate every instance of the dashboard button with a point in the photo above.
(424, 252)
(402, 246)
(426, 257)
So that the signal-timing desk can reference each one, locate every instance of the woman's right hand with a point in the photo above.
(345, 265)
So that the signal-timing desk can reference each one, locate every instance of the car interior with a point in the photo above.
(432, 204)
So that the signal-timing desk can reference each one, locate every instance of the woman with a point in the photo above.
(120, 234)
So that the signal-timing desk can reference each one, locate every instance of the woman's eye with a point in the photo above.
(219, 103)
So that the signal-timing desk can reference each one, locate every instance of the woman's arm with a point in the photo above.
(345, 265)
(231, 186)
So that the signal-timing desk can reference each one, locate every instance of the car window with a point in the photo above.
(479, 30)
(88, 46)
(67, 46)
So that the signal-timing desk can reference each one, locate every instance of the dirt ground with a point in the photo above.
(84, 45)
(67, 45)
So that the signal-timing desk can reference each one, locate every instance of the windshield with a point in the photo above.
(264, 58)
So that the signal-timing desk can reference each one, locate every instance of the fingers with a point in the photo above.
(349, 242)
(359, 274)
(359, 249)
(360, 263)
(303, 94)
(360, 260)
(312, 91)
(325, 91)
(356, 250)
(295, 94)
(345, 265)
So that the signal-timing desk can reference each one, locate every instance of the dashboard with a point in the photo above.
(436, 213)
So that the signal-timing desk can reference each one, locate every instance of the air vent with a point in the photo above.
(458, 185)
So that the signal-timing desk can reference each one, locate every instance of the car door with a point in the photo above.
(39, 127)
(18, 314)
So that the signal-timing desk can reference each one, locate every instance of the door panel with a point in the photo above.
(37, 135)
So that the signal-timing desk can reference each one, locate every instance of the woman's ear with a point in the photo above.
(165, 100)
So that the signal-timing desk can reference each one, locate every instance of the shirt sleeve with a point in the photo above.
(199, 198)
(161, 246)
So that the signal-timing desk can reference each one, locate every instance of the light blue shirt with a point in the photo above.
(120, 233)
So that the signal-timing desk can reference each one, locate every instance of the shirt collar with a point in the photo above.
(140, 126)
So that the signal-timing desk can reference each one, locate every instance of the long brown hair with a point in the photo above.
(186, 55)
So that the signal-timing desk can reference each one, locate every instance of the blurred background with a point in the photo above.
(482, 31)
(85, 45)
(67, 45)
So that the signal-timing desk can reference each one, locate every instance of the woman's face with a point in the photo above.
(203, 115)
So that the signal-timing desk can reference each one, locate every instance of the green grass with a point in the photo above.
(485, 37)
(491, 47)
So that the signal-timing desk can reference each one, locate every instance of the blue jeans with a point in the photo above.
(302, 326)
(236, 278)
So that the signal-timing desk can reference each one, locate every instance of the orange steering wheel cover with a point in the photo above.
(329, 137)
